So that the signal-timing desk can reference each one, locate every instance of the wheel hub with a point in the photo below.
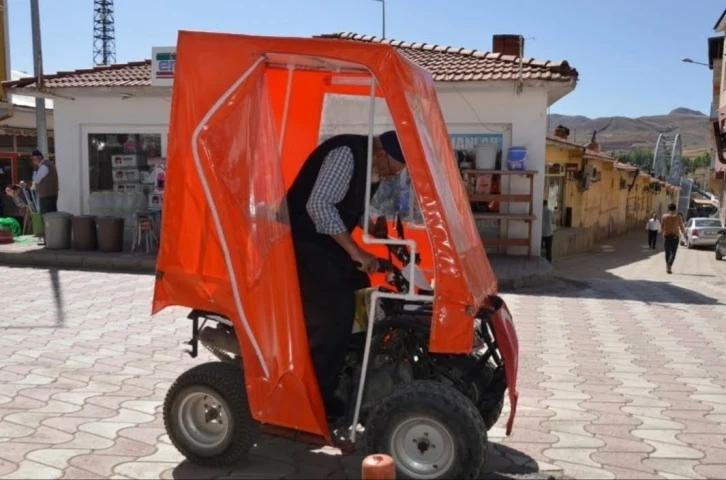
(204, 420)
(423, 448)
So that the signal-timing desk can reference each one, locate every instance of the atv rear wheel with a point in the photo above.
(431, 430)
(207, 416)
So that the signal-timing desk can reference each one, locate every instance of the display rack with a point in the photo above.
(470, 178)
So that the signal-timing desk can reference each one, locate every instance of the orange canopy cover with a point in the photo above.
(246, 112)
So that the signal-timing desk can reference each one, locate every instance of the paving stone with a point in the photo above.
(671, 451)
(577, 470)
(100, 465)
(56, 458)
(710, 471)
(73, 473)
(673, 466)
(29, 469)
(580, 456)
(142, 469)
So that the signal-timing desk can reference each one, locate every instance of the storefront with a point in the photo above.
(18, 138)
(128, 115)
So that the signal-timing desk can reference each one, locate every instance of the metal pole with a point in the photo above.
(40, 124)
(383, 11)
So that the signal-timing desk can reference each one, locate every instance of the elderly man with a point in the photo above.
(326, 203)
(45, 183)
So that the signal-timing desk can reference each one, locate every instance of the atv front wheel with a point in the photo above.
(207, 416)
(491, 415)
(431, 430)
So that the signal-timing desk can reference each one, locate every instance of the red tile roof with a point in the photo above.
(132, 74)
(599, 155)
(446, 64)
(564, 142)
(454, 64)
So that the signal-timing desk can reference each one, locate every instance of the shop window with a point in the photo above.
(6, 143)
(119, 159)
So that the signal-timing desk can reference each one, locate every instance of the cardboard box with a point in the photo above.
(126, 175)
(155, 201)
(125, 161)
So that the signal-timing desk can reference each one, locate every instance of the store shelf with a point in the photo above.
(529, 217)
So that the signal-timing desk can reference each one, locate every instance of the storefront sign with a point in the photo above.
(469, 141)
(21, 132)
(163, 64)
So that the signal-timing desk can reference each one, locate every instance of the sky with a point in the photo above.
(628, 52)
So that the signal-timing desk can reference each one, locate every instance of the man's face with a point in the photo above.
(35, 160)
(386, 166)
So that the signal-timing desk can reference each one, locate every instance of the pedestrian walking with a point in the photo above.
(652, 227)
(548, 229)
(671, 228)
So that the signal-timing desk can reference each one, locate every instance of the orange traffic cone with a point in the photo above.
(378, 467)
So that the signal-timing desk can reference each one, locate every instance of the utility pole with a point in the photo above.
(40, 124)
(383, 12)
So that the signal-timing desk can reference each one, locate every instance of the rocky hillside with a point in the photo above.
(623, 133)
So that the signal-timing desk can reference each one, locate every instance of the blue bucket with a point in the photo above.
(516, 158)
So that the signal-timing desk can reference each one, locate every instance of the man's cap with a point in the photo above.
(389, 141)
(36, 153)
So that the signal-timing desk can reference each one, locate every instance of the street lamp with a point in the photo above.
(689, 60)
(383, 11)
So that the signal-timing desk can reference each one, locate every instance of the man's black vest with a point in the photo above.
(350, 209)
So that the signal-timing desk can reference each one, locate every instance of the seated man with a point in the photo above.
(326, 203)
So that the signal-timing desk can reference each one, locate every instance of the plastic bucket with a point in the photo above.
(36, 220)
(84, 232)
(110, 234)
(57, 226)
(517, 158)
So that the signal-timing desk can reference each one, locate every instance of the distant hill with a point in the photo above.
(623, 133)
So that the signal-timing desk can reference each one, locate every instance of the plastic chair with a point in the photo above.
(145, 232)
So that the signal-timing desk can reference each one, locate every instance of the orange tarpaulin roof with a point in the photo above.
(246, 112)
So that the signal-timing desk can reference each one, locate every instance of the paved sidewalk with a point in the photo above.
(622, 375)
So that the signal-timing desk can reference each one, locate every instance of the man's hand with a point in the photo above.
(368, 263)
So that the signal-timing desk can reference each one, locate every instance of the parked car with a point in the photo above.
(702, 232)
(721, 245)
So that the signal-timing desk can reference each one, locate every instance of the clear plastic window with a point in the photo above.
(350, 114)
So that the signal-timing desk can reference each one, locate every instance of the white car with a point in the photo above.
(702, 232)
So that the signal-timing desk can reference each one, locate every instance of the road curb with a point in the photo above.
(122, 263)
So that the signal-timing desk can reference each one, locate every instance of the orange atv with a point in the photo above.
(429, 365)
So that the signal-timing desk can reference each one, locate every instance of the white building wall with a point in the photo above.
(496, 109)
(468, 111)
(74, 119)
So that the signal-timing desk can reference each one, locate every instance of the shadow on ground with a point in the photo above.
(279, 458)
(647, 291)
